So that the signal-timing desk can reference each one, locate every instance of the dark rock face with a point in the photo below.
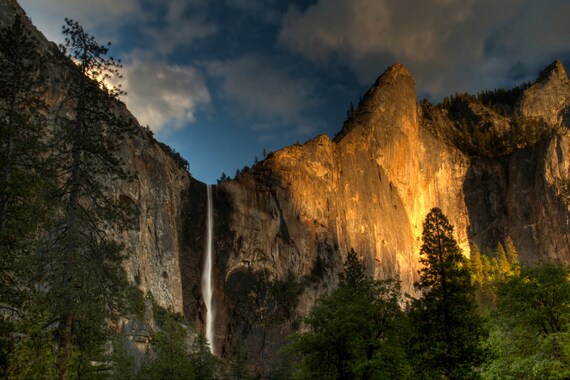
(283, 229)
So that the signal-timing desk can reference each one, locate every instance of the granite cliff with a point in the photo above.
(283, 229)
(304, 207)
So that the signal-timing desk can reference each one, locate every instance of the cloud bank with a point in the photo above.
(450, 45)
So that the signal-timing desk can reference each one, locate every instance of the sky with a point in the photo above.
(222, 81)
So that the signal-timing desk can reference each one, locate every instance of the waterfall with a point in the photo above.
(207, 286)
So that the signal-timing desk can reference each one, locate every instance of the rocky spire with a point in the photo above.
(394, 88)
(548, 98)
(553, 72)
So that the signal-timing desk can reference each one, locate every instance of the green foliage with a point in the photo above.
(202, 360)
(238, 365)
(62, 270)
(172, 357)
(123, 362)
(448, 331)
(356, 332)
(530, 331)
(180, 161)
(25, 198)
(136, 301)
(23, 169)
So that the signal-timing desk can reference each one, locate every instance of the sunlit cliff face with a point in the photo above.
(369, 190)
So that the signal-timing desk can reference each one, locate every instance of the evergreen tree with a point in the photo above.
(238, 369)
(477, 267)
(356, 332)
(24, 178)
(223, 178)
(202, 360)
(512, 255)
(504, 267)
(169, 358)
(448, 330)
(79, 265)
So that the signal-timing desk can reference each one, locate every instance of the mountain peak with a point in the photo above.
(392, 73)
(553, 72)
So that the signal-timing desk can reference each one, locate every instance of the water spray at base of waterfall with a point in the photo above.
(207, 275)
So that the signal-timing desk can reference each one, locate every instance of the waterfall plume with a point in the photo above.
(207, 275)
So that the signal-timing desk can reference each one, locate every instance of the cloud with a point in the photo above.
(162, 95)
(178, 23)
(264, 10)
(168, 24)
(468, 43)
(102, 15)
(264, 92)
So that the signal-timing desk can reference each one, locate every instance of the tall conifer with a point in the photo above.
(448, 330)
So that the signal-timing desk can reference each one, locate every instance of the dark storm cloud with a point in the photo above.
(449, 45)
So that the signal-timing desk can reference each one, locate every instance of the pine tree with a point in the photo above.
(513, 255)
(448, 331)
(530, 333)
(202, 360)
(24, 177)
(82, 269)
(504, 267)
(356, 332)
(477, 266)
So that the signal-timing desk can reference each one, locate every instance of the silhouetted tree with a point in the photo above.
(84, 280)
(448, 330)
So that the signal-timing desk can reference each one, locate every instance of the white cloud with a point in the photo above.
(450, 45)
(162, 95)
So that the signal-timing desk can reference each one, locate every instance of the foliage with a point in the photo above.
(357, 331)
(530, 332)
(447, 329)
(171, 356)
(202, 360)
(123, 362)
(485, 124)
(25, 197)
(24, 169)
(180, 161)
(57, 194)
(223, 178)
(498, 99)
(238, 365)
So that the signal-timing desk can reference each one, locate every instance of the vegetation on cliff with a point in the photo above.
(486, 124)
(63, 281)
(487, 317)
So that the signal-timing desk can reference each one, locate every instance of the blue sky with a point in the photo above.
(222, 80)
